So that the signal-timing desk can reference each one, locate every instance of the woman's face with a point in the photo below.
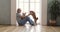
(19, 11)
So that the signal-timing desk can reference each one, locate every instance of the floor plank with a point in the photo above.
(28, 28)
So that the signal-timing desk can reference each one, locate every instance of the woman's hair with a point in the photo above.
(18, 10)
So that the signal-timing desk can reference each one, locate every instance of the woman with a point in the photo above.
(23, 19)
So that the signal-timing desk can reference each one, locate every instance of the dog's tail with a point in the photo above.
(37, 18)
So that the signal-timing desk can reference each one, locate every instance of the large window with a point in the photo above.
(27, 5)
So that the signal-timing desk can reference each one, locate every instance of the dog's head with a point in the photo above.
(32, 12)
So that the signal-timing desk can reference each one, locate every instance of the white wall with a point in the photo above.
(13, 12)
(44, 12)
(8, 12)
(5, 11)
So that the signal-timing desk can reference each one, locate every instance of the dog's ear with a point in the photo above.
(31, 12)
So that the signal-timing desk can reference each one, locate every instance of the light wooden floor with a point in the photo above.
(28, 28)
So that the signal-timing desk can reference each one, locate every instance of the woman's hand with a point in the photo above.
(22, 17)
(24, 14)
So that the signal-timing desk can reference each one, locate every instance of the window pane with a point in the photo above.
(21, 6)
(32, 6)
(32, 0)
(26, 0)
(37, 7)
(21, 0)
(38, 11)
(37, 0)
(26, 7)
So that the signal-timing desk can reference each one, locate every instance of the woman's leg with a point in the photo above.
(29, 20)
(23, 21)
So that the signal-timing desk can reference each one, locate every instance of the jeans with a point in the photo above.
(23, 21)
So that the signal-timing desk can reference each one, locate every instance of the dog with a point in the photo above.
(34, 16)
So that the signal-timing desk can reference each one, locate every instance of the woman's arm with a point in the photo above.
(28, 14)
(23, 16)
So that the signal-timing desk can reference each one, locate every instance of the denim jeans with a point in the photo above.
(23, 21)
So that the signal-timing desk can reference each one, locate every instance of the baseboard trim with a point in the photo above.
(6, 24)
